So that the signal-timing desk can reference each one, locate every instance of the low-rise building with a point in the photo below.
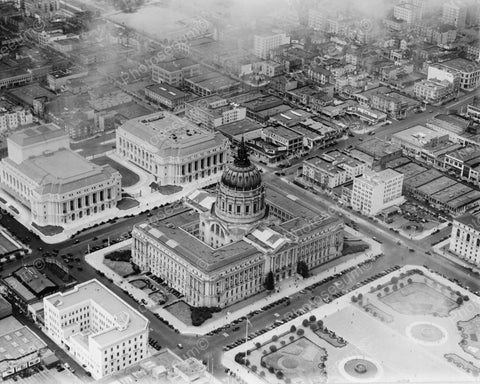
(468, 72)
(285, 138)
(473, 110)
(418, 139)
(174, 72)
(13, 116)
(20, 348)
(214, 111)
(375, 191)
(431, 91)
(331, 169)
(57, 184)
(167, 96)
(465, 238)
(174, 150)
(102, 332)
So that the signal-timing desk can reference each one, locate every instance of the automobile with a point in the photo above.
(430, 111)
(411, 250)
(179, 346)
(428, 252)
(76, 241)
(303, 291)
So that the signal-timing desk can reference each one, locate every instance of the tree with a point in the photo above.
(312, 318)
(270, 281)
(273, 348)
(279, 375)
(409, 281)
(466, 298)
(394, 280)
(305, 322)
(258, 345)
(313, 327)
(271, 370)
(274, 338)
(263, 364)
(320, 323)
(386, 289)
(300, 332)
(254, 368)
(293, 328)
(354, 299)
(302, 269)
(459, 300)
(291, 338)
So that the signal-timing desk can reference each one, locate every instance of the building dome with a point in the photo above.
(242, 175)
(240, 193)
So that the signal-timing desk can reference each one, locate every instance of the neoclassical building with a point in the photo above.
(217, 250)
(58, 185)
(174, 150)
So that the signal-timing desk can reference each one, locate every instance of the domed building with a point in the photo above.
(217, 249)
(240, 202)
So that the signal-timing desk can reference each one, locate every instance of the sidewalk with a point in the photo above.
(442, 250)
(95, 259)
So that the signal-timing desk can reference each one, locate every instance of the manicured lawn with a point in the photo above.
(129, 178)
(127, 203)
(122, 268)
(49, 230)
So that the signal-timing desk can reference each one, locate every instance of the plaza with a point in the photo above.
(409, 324)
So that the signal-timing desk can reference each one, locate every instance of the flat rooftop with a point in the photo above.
(461, 64)
(377, 148)
(19, 289)
(436, 185)
(418, 135)
(37, 134)
(128, 319)
(422, 178)
(176, 64)
(240, 127)
(52, 176)
(16, 341)
(285, 133)
(172, 233)
(167, 91)
(170, 134)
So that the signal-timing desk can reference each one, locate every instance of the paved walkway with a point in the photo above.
(442, 249)
(95, 259)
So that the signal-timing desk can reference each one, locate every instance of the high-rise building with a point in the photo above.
(263, 44)
(408, 10)
(375, 191)
(454, 13)
(102, 333)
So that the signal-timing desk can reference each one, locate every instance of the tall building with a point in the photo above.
(408, 10)
(264, 43)
(219, 251)
(174, 150)
(465, 238)
(58, 185)
(375, 191)
(454, 13)
(101, 332)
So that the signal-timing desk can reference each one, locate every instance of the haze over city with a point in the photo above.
(239, 191)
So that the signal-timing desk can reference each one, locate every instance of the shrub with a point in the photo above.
(293, 328)
(354, 299)
(459, 300)
(279, 375)
(247, 362)
(254, 368)
(273, 348)
(274, 338)
(271, 370)
(291, 338)
(263, 364)
(313, 327)
(386, 289)
(402, 285)
(283, 342)
(466, 298)
(395, 288)
(258, 345)
(240, 358)
(262, 373)
(320, 323)
(394, 280)
(409, 281)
